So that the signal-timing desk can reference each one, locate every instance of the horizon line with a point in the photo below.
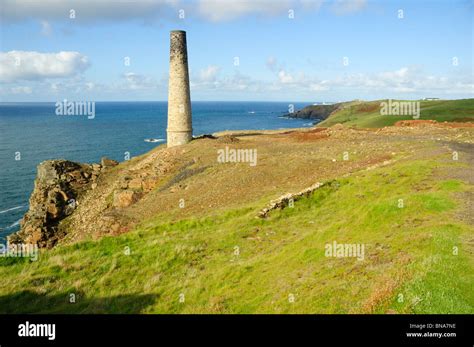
(286, 101)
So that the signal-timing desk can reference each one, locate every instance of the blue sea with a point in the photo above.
(32, 132)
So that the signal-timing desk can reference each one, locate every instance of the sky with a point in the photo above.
(260, 50)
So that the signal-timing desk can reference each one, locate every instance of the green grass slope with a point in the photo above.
(367, 114)
(237, 263)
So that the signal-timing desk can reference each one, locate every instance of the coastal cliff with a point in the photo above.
(316, 112)
(58, 189)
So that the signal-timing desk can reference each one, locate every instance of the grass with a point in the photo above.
(367, 114)
(236, 263)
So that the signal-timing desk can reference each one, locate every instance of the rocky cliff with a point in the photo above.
(58, 188)
(320, 112)
(73, 201)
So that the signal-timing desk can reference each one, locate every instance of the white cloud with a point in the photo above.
(209, 74)
(209, 79)
(80, 87)
(134, 81)
(90, 86)
(285, 77)
(21, 90)
(87, 10)
(403, 80)
(342, 7)
(294, 78)
(318, 87)
(31, 65)
(211, 82)
(241, 82)
(399, 75)
(222, 10)
(311, 4)
(76, 85)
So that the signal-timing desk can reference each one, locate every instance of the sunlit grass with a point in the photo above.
(441, 111)
(237, 263)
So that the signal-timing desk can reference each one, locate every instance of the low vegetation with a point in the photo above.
(368, 115)
(237, 263)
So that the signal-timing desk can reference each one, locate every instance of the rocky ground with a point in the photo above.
(74, 201)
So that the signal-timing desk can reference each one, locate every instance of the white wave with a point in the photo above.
(12, 209)
(14, 224)
(154, 140)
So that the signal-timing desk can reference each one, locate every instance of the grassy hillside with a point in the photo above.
(367, 114)
(236, 263)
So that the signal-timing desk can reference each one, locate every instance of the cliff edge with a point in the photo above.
(59, 186)
(74, 201)
(317, 112)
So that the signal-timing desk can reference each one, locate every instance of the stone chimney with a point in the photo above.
(180, 130)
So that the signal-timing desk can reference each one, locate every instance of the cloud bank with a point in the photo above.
(31, 65)
(87, 11)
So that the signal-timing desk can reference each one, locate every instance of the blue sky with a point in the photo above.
(328, 51)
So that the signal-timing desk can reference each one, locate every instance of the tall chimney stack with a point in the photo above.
(180, 130)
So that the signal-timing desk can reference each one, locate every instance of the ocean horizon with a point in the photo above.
(31, 132)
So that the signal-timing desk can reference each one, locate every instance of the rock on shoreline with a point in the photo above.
(58, 187)
(320, 112)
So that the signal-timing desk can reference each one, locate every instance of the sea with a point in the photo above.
(32, 132)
